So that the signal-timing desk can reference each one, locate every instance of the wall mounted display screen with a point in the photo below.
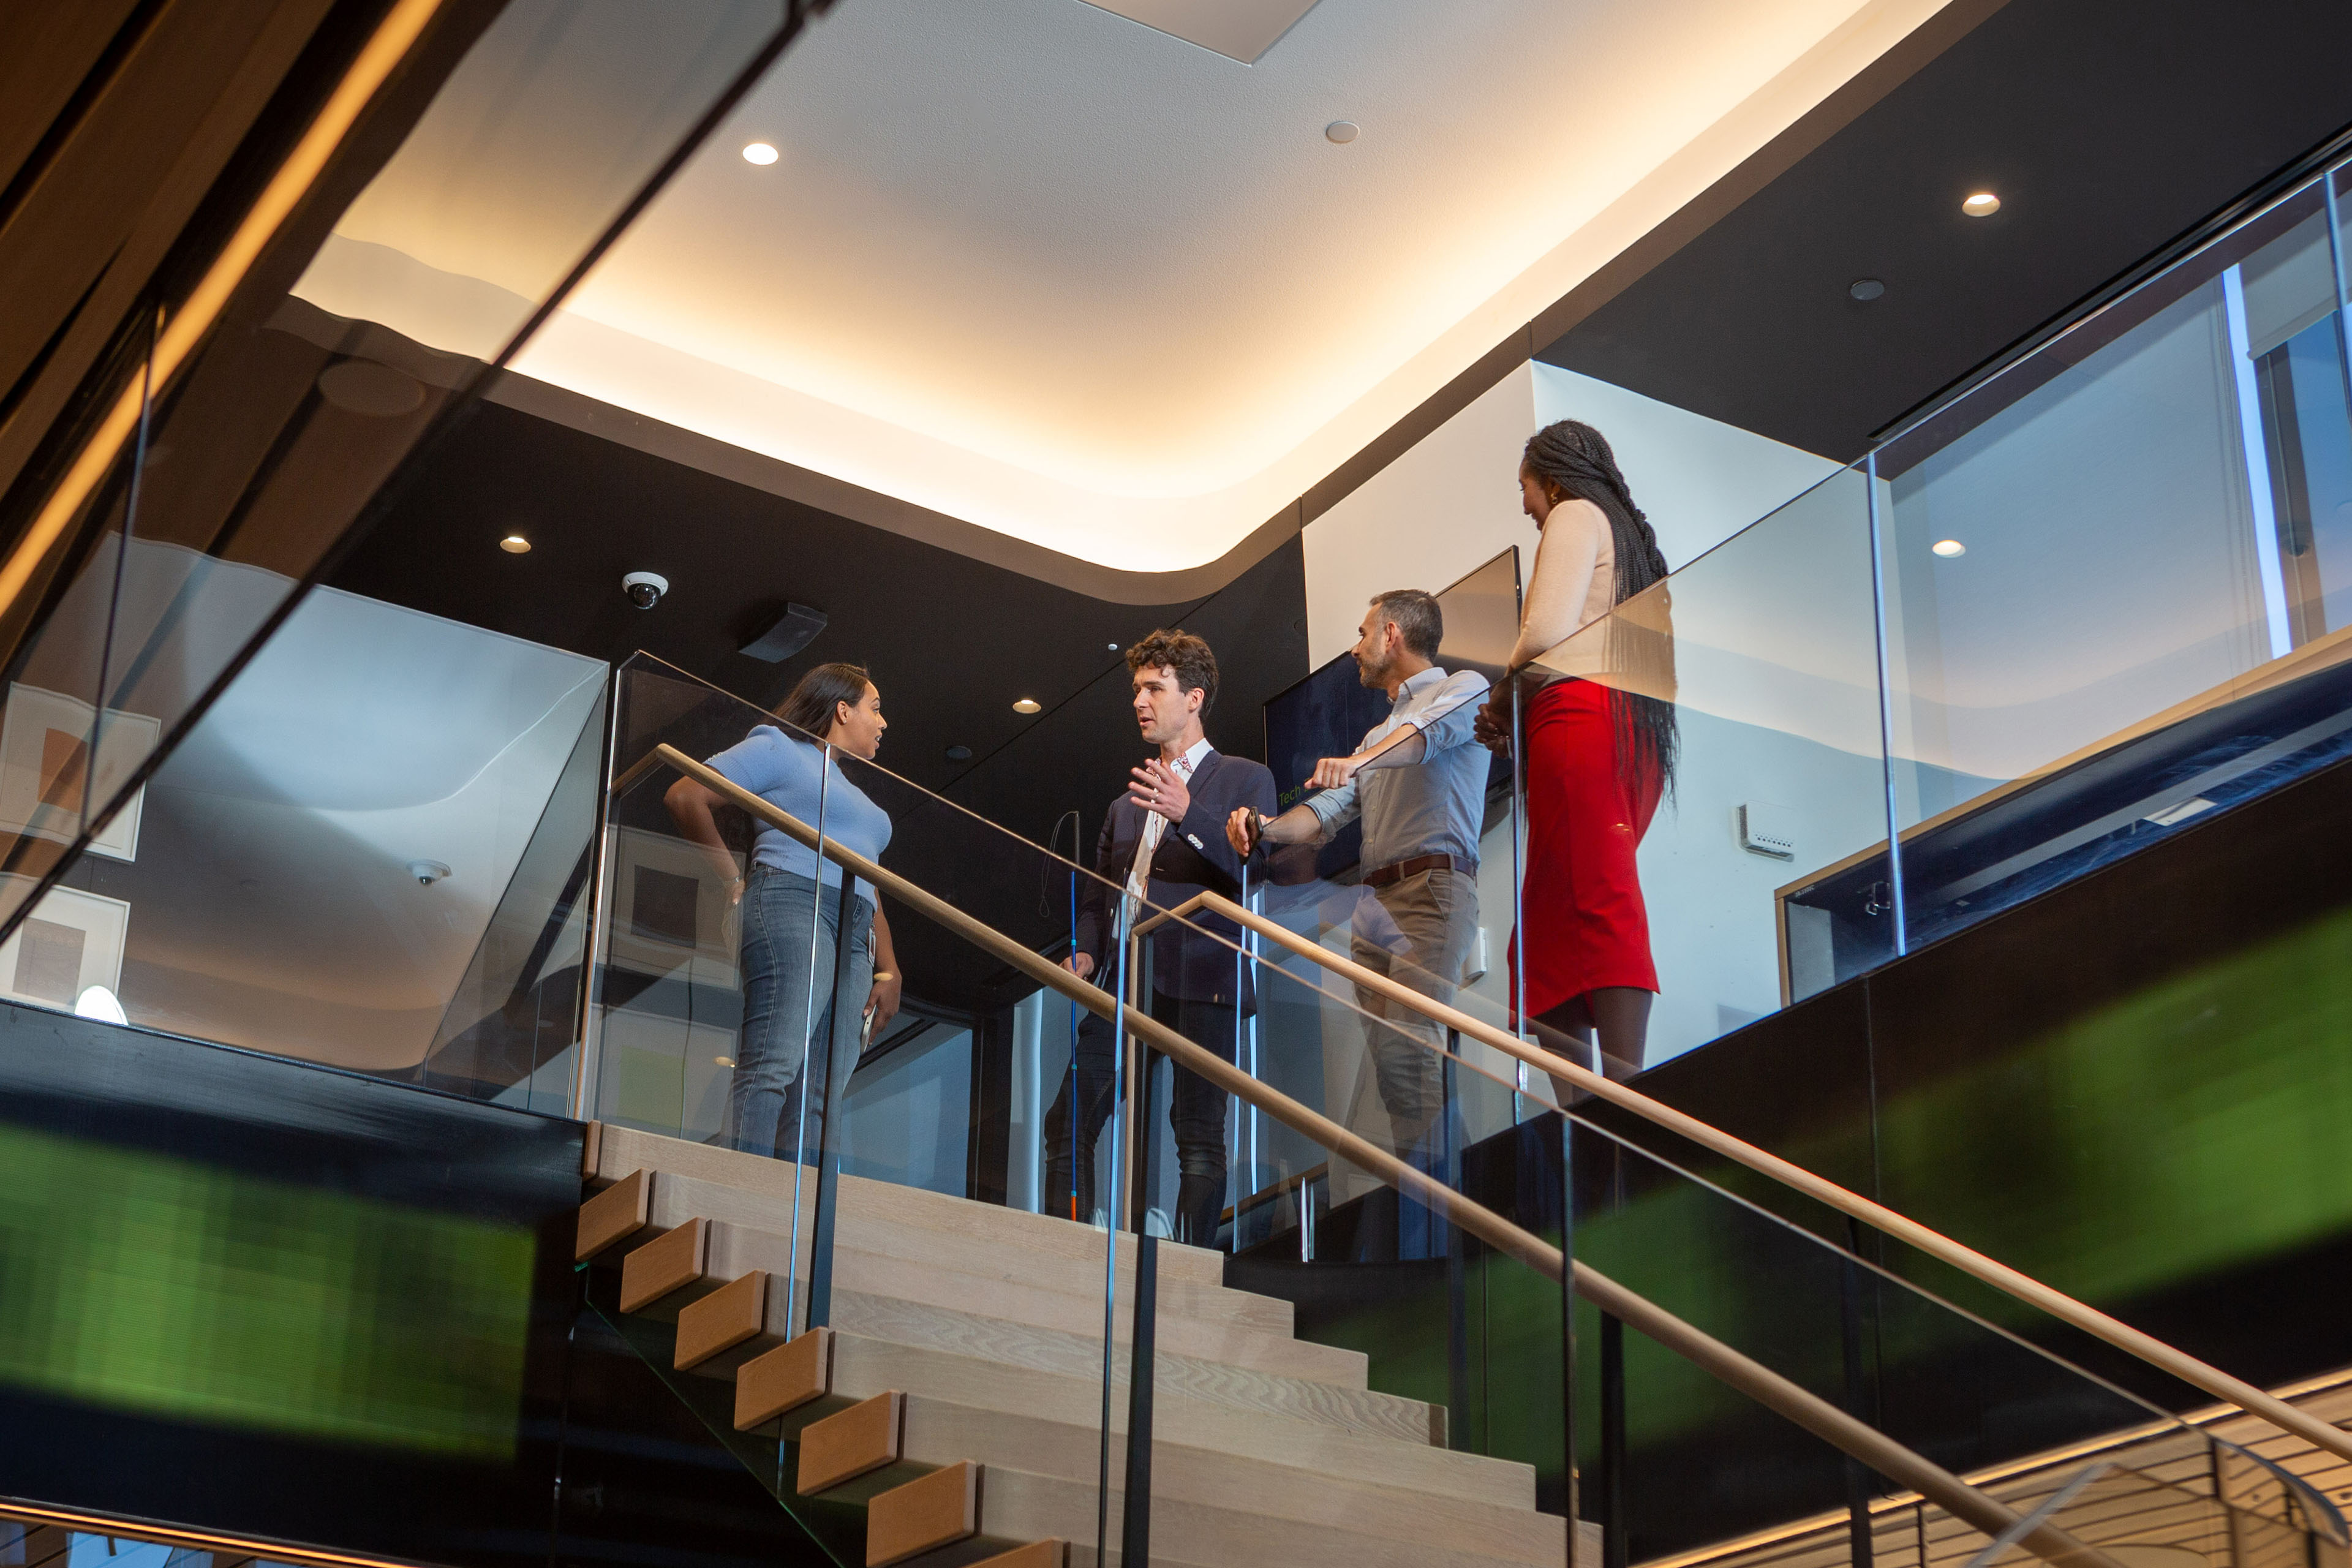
(1327, 713)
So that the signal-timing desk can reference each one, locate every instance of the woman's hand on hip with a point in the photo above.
(882, 1002)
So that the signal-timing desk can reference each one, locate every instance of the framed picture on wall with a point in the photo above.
(71, 942)
(669, 908)
(48, 776)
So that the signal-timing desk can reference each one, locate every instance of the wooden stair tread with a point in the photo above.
(1215, 1324)
(1276, 1420)
(979, 1273)
(977, 1334)
(1024, 1504)
(770, 1183)
(939, 1432)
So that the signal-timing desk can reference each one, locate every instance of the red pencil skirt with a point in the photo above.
(1586, 925)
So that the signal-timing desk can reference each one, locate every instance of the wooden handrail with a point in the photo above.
(1999, 1275)
(1760, 1382)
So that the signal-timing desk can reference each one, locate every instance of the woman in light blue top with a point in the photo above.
(788, 892)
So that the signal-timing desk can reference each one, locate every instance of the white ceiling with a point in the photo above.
(1035, 265)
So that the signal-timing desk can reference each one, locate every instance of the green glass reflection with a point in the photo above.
(176, 1289)
(2194, 1126)
(2190, 1129)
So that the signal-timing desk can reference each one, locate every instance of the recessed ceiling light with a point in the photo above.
(959, 754)
(1984, 204)
(1026, 705)
(760, 152)
(515, 544)
(1342, 132)
(1865, 289)
(1947, 548)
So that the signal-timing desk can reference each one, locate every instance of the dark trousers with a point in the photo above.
(1196, 1114)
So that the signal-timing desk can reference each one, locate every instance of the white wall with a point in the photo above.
(1452, 502)
(1698, 481)
(1445, 507)
(1712, 910)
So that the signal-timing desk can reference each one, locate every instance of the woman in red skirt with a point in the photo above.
(1598, 756)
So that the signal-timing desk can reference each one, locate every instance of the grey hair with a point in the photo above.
(1418, 619)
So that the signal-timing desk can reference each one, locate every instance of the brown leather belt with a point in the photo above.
(1388, 876)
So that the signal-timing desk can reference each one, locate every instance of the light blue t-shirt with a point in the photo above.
(782, 771)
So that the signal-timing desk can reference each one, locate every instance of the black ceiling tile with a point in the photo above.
(2106, 130)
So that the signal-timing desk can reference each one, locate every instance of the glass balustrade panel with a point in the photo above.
(915, 1077)
(222, 468)
(1389, 1265)
(2118, 575)
(2132, 1510)
(370, 852)
(1730, 718)
(2005, 1397)
(1304, 1215)
(1658, 1440)
(514, 1021)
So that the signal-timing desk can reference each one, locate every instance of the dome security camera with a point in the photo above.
(645, 589)
(427, 872)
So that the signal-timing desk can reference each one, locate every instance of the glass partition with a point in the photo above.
(1668, 1459)
(514, 1021)
(2060, 1426)
(240, 432)
(2067, 614)
(365, 854)
(1765, 653)
(741, 1001)
(1470, 1333)
(2118, 575)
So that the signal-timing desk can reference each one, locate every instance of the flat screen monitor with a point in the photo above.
(1327, 713)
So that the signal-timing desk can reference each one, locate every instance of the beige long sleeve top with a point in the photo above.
(1573, 584)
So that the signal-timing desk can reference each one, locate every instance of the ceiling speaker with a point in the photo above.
(793, 630)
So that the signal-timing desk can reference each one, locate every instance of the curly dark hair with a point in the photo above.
(1574, 459)
(1188, 656)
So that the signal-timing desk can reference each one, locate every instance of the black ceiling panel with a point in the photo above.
(2107, 129)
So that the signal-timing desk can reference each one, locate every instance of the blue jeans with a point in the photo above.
(763, 1102)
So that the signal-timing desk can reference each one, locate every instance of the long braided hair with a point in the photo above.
(1572, 456)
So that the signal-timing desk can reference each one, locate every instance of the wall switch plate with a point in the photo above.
(1765, 829)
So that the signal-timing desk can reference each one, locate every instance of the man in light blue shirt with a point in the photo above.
(1419, 783)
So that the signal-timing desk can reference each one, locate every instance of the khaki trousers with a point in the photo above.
(1417, 932)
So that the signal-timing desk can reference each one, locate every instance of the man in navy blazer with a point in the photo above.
(1163, 840)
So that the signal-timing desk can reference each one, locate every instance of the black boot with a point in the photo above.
(1200, 1205)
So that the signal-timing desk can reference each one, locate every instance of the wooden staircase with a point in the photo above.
(956, 1392)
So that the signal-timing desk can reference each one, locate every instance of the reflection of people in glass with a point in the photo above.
(1165, 841)
(1419, 785)
(1598, 756)
(781, 901)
